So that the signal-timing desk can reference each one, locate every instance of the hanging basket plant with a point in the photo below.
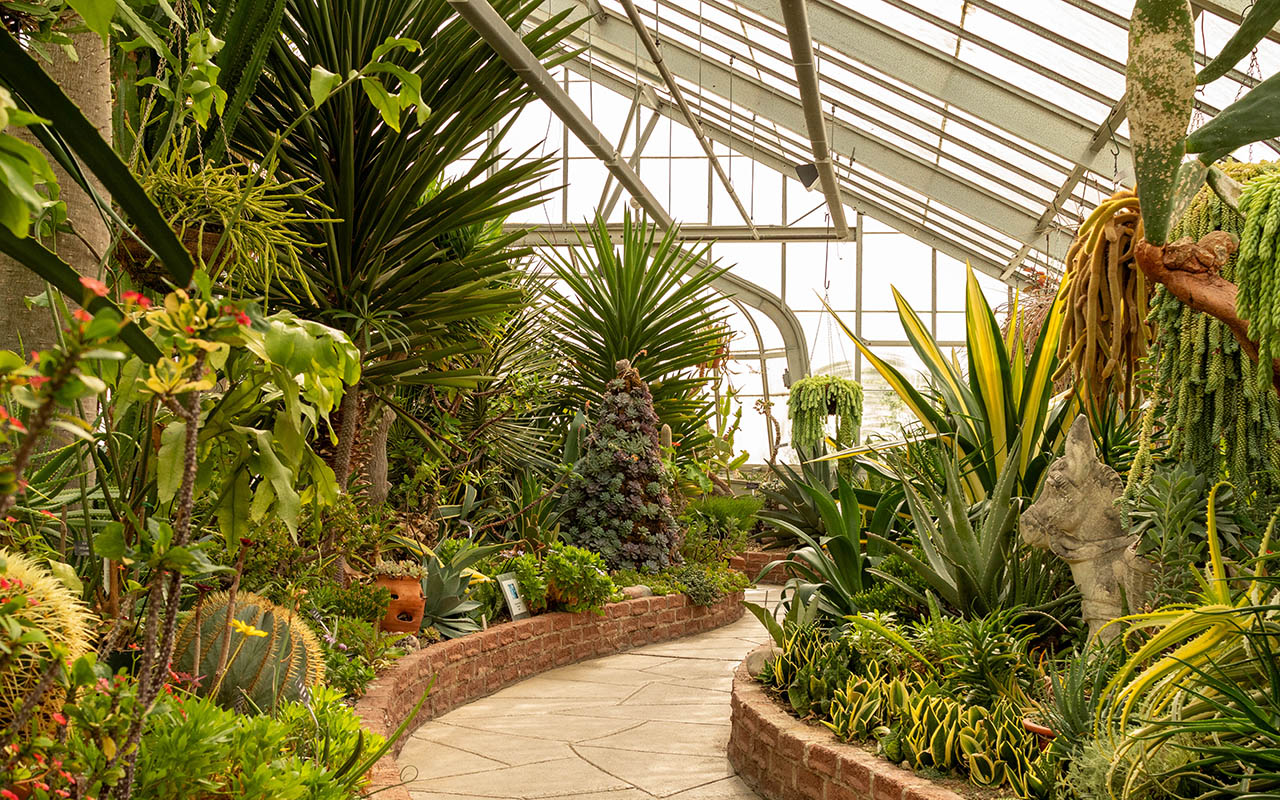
(816, 398)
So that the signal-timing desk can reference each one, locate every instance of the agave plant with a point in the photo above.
(648, 301)
(446, 586)
(835, 567)
(997, 410)
(967, 553)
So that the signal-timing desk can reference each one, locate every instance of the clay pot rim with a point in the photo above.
(1031, 726)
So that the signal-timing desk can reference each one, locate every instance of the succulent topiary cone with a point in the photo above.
(53, 610)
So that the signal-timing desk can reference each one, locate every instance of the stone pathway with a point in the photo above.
(649, 723)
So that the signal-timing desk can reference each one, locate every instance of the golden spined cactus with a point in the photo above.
(272, 655)
(54, 611)
(1105, 333)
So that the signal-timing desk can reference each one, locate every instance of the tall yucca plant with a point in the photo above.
(401, 269)
(647, 300)
(998, 408)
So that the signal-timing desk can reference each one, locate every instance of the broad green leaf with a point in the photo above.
(1257, 24)
(1160, 88)
(1252, 118)
(387, 104)
(393, 43)
(169, 461)
(323, 83)
(96, 14)
(109, 543)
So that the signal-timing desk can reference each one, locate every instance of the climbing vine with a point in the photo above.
(817, 397)
(1218, 416)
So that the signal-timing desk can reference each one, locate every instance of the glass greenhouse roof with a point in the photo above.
(987, 129)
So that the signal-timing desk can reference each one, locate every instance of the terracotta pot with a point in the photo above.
(1043, 734)
(404, 614)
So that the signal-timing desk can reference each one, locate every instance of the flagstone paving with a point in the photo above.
(649, 723)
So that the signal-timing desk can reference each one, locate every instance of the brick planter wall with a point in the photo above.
(783, 758)
(752, 561)
(481, 663)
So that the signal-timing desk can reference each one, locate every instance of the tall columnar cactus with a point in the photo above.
(273, 654)
(619, 502)
(54, 611)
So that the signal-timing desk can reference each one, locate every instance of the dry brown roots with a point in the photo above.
(1105, 333)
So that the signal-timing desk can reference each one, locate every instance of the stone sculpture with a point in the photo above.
(1076, 518)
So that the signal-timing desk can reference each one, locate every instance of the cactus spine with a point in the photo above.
(53, 610)
(262, 670)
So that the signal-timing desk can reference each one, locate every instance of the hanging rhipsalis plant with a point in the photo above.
(1105, 333)
(1218, 415)
(816, 398)
(1161, 81)
(1259, 297)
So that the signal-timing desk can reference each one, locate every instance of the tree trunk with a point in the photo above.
(87, 81)
(376, 468)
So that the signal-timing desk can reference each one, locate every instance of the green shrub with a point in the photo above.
(718, 527)
(576, 579)
(357, 600)
(703, 583)
(354, 651)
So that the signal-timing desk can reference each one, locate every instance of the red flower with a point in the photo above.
(48, 513)
(190, 329)
(137, 297)
(59, 718)
(242, 318)
(37, 381)
(8, 795)
(82, 315)
(94, 285)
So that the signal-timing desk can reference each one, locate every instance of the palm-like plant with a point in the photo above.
(406, 267)
(998, 409)
(647, 301)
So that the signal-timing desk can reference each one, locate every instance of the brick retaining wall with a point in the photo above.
(752, 561)
(483, 662)
(783, 758)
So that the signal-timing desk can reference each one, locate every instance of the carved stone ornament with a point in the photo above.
(1077, 519)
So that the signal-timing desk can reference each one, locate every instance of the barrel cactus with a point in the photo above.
(272, 656)
(51, 609)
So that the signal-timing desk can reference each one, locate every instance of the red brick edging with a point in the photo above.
(783, 758)
(476, 665)
(752, 561)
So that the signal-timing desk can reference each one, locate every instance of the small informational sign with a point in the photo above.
(511, 591)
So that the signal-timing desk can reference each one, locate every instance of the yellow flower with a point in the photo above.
(246, 629)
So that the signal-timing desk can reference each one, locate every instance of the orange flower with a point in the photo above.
(94, 285)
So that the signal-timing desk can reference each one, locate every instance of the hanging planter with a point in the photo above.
(815, 399)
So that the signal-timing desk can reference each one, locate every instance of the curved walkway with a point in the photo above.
(649, 723)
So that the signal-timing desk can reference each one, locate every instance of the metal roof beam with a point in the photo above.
(651, 47)
(801, 40)
(507, 43)
(1003, 105)
(881, 205)
(613, 41)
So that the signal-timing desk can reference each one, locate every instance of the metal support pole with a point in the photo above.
(796, 16)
